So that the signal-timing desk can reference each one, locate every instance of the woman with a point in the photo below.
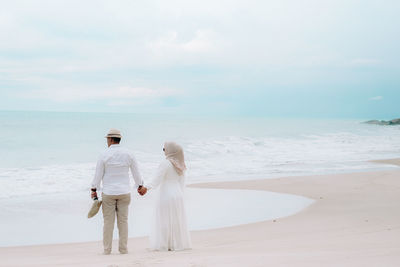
(170, 231)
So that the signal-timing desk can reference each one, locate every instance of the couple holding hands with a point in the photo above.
(169, 228)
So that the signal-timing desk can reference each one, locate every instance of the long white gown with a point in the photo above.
(169, 229)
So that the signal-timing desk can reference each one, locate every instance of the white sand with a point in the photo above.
(355, 221)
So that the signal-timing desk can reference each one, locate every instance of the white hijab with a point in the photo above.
(174, 153)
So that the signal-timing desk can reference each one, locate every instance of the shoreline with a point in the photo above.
(353, 222)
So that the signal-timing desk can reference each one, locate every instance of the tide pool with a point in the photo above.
(61, 218)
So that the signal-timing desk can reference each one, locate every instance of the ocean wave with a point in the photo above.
(225, 158)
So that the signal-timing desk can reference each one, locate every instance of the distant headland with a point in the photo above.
(391, 122)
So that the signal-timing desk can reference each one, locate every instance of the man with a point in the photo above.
(112, 170)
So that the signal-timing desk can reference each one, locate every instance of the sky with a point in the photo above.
(286, 58)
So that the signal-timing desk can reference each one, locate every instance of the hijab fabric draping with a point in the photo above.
(174, 153)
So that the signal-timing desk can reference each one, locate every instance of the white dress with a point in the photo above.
(169, 229)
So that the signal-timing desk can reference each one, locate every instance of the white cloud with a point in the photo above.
(63, 50)
(364, 62)
(173, 47)
(116, 96)
(130, 34)
(376, 98)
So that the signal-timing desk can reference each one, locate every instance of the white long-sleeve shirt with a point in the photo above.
(112, 170)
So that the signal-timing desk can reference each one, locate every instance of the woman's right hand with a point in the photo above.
(142, 190)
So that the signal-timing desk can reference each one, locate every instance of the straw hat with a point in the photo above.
(95, 207)
(114, 133)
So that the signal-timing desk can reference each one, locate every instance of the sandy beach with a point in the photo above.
(354, 221)
(282, 116)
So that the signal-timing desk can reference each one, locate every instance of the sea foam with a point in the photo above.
(45, 153)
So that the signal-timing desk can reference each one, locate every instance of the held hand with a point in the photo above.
(139, 189)
(142, 190)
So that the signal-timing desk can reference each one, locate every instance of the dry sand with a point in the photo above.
(355, 221)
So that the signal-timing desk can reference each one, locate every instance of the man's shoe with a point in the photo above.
(106, 252)
(123, 251)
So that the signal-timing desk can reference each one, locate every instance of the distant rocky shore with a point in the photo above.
(391, 122)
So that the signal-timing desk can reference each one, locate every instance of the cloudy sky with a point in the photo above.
(267, 58)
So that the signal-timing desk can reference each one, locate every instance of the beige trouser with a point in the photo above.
(115, 205)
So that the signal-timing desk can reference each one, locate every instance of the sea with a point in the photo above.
(50, 152)
(48, 159)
